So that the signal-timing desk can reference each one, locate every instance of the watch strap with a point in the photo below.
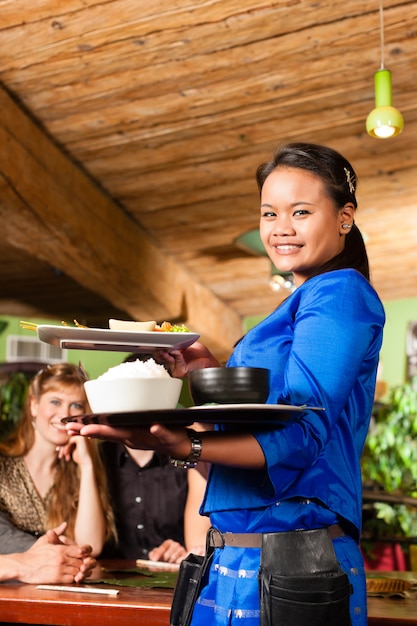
(191, 461)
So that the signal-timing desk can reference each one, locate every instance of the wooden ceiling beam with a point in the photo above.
(55, 212)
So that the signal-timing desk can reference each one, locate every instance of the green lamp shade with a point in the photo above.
(384, 121)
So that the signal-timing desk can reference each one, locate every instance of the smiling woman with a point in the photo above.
(301, 232)
(308, 204)
(48, 477)
(291, 489)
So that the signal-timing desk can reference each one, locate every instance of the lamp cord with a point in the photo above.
(381, 22)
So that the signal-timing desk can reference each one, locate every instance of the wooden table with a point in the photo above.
(393, 611)
(25, 604)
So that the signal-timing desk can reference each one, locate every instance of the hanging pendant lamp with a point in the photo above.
(385, 120)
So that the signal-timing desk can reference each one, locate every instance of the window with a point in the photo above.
(20, 348)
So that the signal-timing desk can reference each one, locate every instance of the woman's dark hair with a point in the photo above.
(340, 184)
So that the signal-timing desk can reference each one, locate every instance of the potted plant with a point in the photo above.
(14, 383)
(389, 469)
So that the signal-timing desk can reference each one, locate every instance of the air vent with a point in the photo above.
(20, 348)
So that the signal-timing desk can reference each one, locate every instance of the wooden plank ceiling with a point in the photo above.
(130, 132)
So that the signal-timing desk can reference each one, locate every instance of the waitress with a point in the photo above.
(321, 346)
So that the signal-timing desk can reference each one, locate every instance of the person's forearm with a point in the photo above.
(224, 448)
(9, 567)
(90, 524)
(18, 566)
(195, 525)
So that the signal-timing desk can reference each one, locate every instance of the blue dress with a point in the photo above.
(321, 346)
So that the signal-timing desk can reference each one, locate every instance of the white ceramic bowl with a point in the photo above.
(132, 394)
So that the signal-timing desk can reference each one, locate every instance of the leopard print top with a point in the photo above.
(19, 498)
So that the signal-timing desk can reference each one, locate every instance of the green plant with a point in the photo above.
(389, 464)
(12, 397)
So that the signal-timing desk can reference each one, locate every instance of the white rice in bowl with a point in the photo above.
(133, 386)
(135, 369)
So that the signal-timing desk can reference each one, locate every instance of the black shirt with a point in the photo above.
(148, 502)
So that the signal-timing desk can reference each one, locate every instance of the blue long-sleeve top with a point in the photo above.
(321, 346)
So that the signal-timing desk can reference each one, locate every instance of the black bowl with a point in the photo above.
(229, 385)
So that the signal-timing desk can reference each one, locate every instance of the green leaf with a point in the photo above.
(389, 460)
(161, 579)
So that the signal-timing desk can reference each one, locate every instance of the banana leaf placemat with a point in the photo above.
(143, 577)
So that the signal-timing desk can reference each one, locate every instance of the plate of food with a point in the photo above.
(121, 336)
(240, 414)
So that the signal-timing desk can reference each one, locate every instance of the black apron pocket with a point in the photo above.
(186, 590)
(192, 576)
(301, 582)
(299, 601)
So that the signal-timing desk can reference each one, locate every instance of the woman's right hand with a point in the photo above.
(181, 362)
(169, 551)
(77, 449)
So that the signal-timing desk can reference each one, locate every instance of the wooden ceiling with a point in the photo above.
(130, 132)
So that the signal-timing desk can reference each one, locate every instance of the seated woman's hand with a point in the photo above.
(77, 449)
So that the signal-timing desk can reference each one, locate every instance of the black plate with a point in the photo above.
(208, 414)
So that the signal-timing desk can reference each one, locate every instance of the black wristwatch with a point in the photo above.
(191, 461)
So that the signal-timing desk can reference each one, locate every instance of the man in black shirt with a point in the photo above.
(150, 497)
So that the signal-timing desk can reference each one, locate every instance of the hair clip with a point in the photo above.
(350, 180)
(43, 369)
(82, 370)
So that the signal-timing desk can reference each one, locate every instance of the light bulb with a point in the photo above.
(278, 281)
(385, 120)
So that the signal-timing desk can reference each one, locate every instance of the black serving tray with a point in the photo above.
(209, 414)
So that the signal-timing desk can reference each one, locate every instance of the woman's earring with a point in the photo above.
(346, 226)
